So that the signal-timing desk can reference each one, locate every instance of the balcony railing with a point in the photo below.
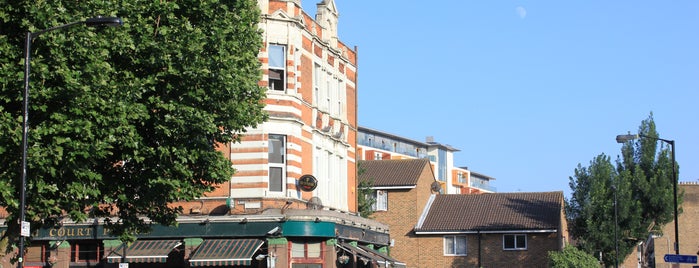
(484, 186)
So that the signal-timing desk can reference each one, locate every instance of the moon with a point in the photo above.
(521, 12)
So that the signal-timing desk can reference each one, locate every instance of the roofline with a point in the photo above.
(393, 187)
(481, 175)
(488, 232)
(425, 211)
(374, 131)
(393, 136)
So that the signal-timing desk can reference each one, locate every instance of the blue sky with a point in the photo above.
(527, 90)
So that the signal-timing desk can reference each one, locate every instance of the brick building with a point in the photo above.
(402, 188)
(292, 201)
(429, 229)
(657, 246)
(491, 230)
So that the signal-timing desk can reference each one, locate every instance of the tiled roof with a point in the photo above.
(392, 173)
(494, 212)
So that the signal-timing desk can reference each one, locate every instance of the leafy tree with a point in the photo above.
(651, 174)
(643, 202)
(125, 120)
(365, 199)
(572, 257)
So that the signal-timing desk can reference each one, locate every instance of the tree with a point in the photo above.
(124, 121)
(651, 175)
(365, 194)
(640, 208)
(572, 257)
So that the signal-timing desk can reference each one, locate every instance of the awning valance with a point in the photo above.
(225, 252)
(144, 251)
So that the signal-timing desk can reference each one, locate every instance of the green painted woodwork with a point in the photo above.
(308, 229)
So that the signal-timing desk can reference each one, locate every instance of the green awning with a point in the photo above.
(225, 252)
(361, 254)
(144, 251)
(390, 260)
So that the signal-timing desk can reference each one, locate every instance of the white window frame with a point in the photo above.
(516, 238)
(277, 68)
(317, 83)
(340, 99)
(451, 243)
(381, 200)
(274, 165)
(327, 95)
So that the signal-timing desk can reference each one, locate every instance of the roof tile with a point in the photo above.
(395, 172)
(494, 212)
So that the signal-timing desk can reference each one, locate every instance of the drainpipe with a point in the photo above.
(480, 250)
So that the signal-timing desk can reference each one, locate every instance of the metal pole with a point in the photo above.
(96, 21)
(674, 183)
(616, 226)
(25, 129)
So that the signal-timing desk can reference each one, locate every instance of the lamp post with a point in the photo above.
(628, 137)
(616, 227)
(96, 21)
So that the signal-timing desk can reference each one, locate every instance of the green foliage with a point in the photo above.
(641, 185)
(125, 120)
(365, 193)
(571, 257)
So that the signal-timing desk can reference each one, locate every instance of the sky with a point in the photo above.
(527, 90)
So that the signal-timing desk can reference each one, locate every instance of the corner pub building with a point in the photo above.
(263, 216)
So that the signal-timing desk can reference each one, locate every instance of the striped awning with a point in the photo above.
(144, 251)
(225, 252)
(371, 255)
(390, 260)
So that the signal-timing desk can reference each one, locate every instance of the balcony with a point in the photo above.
(483, 186)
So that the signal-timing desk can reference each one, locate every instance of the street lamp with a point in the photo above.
(628, 137)
(96, 21)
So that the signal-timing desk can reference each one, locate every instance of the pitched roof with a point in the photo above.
(393, 173)
(493, 212)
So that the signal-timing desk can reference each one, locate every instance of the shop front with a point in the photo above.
(297, 239)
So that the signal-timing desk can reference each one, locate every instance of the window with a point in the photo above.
(277, 66)
(305, 250)
(514, 242)
(328, 92)
(85, 251)
(317, 82)
(277, 162)
(340, 98)
(455, 245)
(381, 198)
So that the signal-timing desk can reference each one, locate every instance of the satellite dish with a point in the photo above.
(436, 187)
(314, 203)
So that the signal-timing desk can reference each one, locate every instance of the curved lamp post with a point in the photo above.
(96, 21)
(628, 137)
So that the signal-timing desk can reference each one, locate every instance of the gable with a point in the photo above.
(394, 173)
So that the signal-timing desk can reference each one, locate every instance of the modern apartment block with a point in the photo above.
(378, 145)
(292, 201)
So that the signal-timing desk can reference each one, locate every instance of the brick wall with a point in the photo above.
(404, 210)
(688, 226)
(431, 251)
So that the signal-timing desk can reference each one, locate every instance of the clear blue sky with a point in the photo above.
(527, 90)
